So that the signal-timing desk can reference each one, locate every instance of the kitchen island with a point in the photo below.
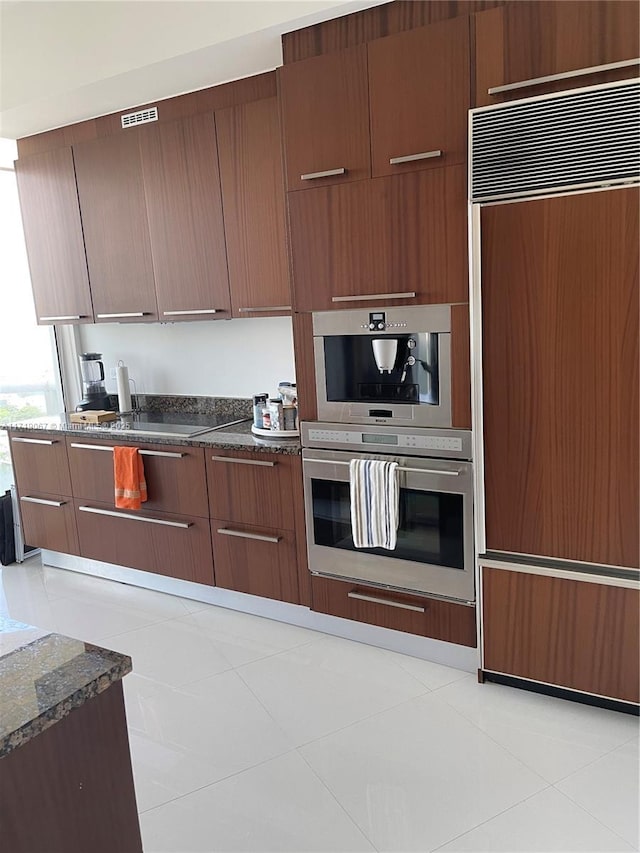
(66, 782)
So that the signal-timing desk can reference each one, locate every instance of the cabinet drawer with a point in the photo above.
(48, 522)
(175, 475)
(40, 462)
(252, 488)
(174, 545)
(428, 617)
(257, 560)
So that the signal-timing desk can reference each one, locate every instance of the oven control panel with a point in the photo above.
(415, 442)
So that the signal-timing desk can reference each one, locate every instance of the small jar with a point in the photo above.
(275, 409)
(266, 419)
(259, 402)
(289, 417)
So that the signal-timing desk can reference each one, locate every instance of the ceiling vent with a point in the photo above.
(554, 143)
(141, 117)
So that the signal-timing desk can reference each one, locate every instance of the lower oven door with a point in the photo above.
(434, 550)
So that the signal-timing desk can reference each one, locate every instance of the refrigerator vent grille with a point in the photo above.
(141, 117)
(579, 139)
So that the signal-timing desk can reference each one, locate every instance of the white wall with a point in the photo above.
(222, 358)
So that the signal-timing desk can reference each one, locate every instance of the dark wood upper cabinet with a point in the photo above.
(53, 235)
(184, 209)
(419, 95)
(363, 242)
(116, 230)
(325, 118)
(560, 371)
(524, 41)
(253, 197)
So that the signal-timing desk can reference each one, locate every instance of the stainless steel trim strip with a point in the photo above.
(401, 605)
(96, 511)
(242, 535)
(29, 500)
(369, 296)
(563, 574)
(265, 308)
(64, 317)
(311, 176)
(409, 158)
(127, 314)
(195, 311)
(243, 461)
(565, 75)
(109, 448)
(34, 440)
(400, 467)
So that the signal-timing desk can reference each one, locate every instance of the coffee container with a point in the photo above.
(289, 417)
(276, 412)
(259, 403)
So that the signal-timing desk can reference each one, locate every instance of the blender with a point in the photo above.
(93, 388)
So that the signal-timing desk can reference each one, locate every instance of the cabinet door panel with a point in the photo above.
(560, 366)
(53, 235)
(184, 206)
(325, 117)
(49, 522)
(419, 95)
(40, 462)
(253, 199)
(116, 232)
(578, 635)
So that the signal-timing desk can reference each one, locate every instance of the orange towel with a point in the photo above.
(128, 473)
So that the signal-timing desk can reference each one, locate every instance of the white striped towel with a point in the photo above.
(374, 503)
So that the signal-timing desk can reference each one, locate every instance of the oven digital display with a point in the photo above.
(379, 439)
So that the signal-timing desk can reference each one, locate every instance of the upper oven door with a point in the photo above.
(434, 551)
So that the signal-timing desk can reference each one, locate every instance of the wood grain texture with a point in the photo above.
(305, 367)
(116, 230)
(251, 172)
(53, 235)
(302, 558)
(419, 95)
(71, 788)
(406, 233)
(171, 551)
(325, 118)
(360, 27)
(184, 209)
(267, 569)
(175, 485)
(52, 527)
(582, 636)
(249, 493)
(442, 620)
(40, 467)
(460, 368)
(525, 40)
(560, 364)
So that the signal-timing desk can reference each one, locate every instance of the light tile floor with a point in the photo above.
(253, 735)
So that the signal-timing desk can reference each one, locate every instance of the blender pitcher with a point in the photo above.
(94, 392)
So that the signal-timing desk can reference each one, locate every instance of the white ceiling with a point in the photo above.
(63, 61)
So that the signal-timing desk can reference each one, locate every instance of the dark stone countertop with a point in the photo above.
(44, 676)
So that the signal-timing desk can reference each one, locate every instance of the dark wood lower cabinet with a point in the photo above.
(48, 522)
(574, 634)
(428, 617)
(174, 545)
(256, 560)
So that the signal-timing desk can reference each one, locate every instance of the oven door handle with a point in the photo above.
(400, 467)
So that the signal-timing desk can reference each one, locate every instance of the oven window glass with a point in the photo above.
(430, 528)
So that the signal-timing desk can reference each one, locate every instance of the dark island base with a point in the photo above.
(70, 789)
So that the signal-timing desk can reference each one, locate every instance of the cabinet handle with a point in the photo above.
(311, 176)
(401, 605)
(181, 524)
(244, 461)
(242, 535)
(564, 75)
(29, 500)
(109, 448)
(408, 295)
(195, 311)
(64, 317)
(409, 158)
(125, 314)
(35, 440)
(265, 308)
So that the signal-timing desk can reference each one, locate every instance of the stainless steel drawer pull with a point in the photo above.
(265, 308)
(165, 453)
(244, 461)
(29, 500)
(63, 317)
(400, 468)
(35, 440)
(366, 297)
(126, 314)
(311, 176)
(401, 605)
(195, 311)
(181, 524)
(242, 535)
(565, 75)
(409, 158)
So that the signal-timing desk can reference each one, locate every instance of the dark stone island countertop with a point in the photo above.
(44, 676)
